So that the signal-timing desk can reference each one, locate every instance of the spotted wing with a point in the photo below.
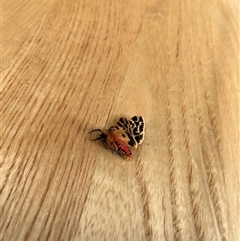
(132, 130)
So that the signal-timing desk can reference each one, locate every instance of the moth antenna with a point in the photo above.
(98, 138)
(94, 131)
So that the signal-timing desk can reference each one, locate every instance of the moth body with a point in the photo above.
(124, 134)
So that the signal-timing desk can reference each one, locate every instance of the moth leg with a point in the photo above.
(105, 144)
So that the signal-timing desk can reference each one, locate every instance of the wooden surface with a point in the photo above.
(71, 66)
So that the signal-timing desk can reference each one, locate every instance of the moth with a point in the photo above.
(124, 134)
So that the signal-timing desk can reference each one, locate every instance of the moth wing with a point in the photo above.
(121, 136)
(133, 129)
(119, 142)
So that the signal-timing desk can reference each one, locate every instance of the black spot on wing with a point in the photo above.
(135, 131)
(120, 124)
(138, 138)
(141, 128)
(134, 118)
(131, 141)
(121, 120)
(123, 123)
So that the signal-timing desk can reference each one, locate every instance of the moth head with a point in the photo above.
(102, 136)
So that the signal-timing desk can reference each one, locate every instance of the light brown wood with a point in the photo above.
(71, 66)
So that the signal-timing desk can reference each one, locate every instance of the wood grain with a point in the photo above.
(71, 66)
